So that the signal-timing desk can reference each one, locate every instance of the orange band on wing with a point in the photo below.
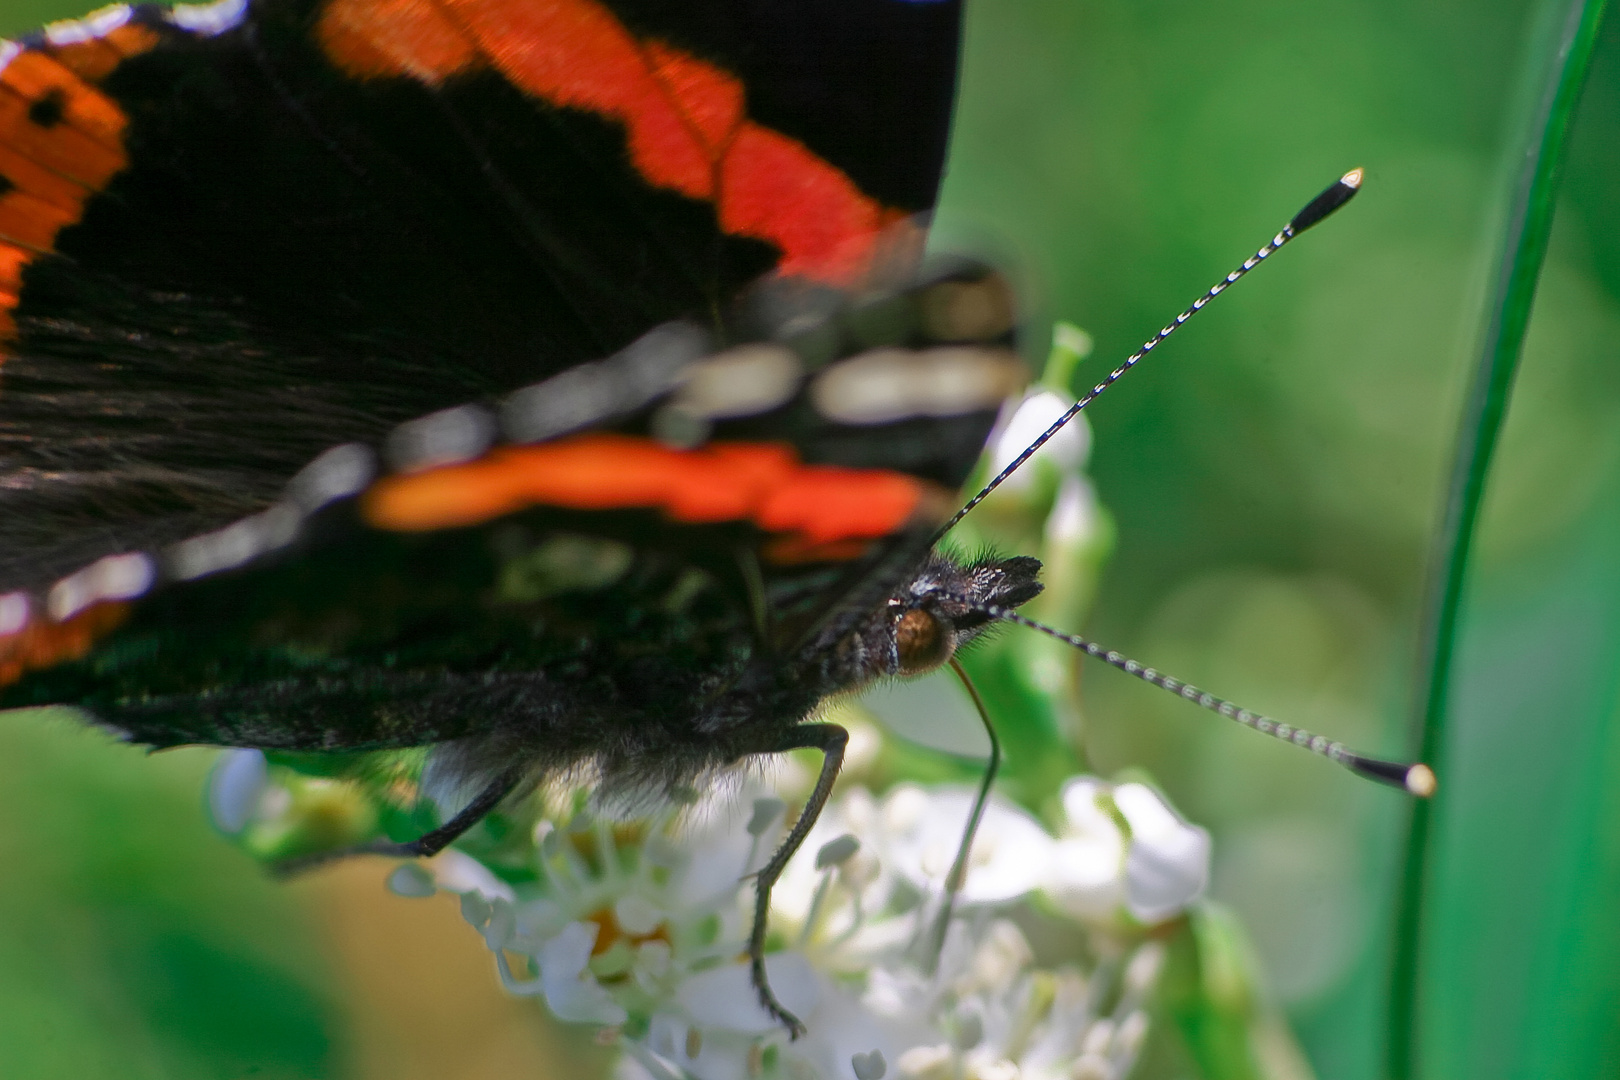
(380, 38)
(26, 174)
(29, 222)
(12, 260)
(815, 510)
(36, 78)
(61, 141)
(684, 118)
(32, 128)
(96, 58)
(826, 504)
(42, 644)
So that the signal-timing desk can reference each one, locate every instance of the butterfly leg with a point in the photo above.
(429, 843)
(830, 739)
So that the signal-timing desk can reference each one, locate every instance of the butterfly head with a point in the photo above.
(942, 608)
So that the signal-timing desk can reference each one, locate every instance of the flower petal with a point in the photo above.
(571, 994)
(234, 790)
(724, 997)
(1167, 863)
(459, 872)
(410, 879)
(1067, 450)
(1011, 852)
(1087, 876)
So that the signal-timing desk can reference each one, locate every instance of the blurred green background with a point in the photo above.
(1275, 475)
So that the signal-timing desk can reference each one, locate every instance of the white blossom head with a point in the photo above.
(639, 929)
(1122, 852)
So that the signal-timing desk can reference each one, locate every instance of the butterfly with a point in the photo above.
(549, 382)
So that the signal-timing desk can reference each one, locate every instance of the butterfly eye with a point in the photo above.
(922, 641)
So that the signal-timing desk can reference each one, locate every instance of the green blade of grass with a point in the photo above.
(1554, 85)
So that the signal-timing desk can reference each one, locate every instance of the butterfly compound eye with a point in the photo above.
(922, 641)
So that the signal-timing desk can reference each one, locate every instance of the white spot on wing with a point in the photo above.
(442, 438)
(744, 381)
(9, 51)
(13, 612)
(886, 385)
(116, 577)
(338, 473)
(234, 545)
(209, 19)
(98, 23)
(640, 373)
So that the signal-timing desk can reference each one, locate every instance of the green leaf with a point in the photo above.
(1552, 89)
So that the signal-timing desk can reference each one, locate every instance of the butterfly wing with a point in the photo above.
(329, 218)
(234, 236)
(467, 581)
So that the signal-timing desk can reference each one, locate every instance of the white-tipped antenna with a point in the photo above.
(1337, 194)
(1417, 779)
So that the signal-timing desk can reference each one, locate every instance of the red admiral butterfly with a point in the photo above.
(522, 377)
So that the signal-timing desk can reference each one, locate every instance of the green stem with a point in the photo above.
(1556, 94)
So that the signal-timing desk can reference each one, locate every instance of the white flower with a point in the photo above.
(923, 831)
(1087, 876)
(1167, 866)
(456, 872)
(723, 997)
(641, 928)
(571, 992)
(1066, 451)
(1124, 849)
(1074, 517)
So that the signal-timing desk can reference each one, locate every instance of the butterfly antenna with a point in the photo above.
(1417, 779)
(1336, 195)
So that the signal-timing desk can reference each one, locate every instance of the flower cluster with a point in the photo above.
(639, 928)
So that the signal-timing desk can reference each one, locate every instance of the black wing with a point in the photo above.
(276, 232)
(227, 245)
(560, 566)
